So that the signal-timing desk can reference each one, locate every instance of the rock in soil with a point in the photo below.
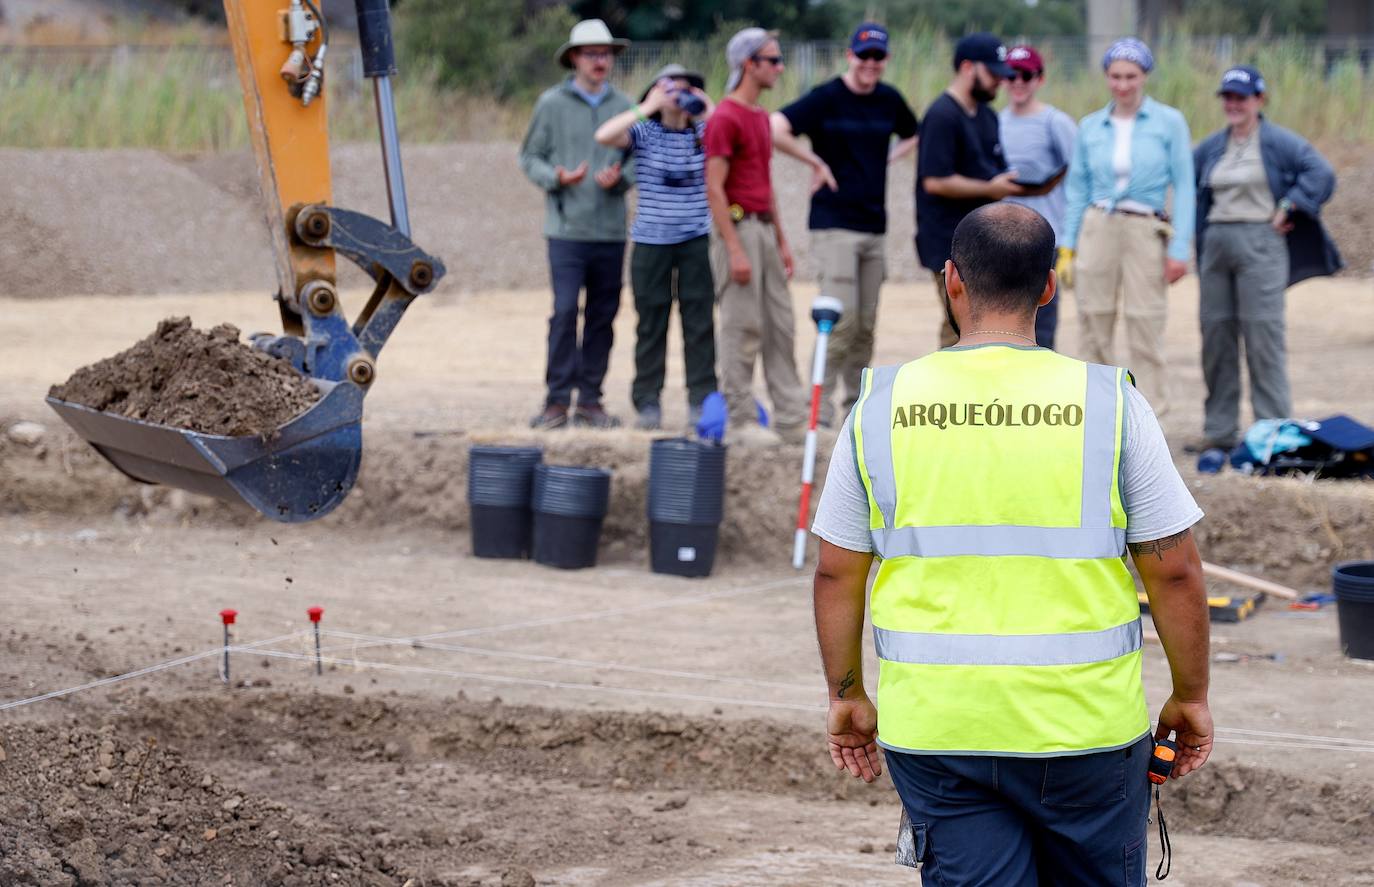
(187, 378)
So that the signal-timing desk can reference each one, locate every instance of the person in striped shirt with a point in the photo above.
(670, 256)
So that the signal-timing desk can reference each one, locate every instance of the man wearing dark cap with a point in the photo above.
(960, 166)
(998, 487)
(852, 122)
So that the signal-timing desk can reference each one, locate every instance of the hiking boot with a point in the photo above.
(594, 416)
(650, 417)
(1211, 461)
(555, 415)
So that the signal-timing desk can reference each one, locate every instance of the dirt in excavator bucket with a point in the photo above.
(208, 382)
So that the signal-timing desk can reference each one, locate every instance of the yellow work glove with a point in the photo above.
(1063, 267)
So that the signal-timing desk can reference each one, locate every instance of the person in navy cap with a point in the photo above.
(960, 165)
(856, 125)
(1260, 192)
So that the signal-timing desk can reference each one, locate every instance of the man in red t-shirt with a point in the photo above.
(751, 259)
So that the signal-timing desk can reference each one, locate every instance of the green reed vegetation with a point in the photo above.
(186, 98)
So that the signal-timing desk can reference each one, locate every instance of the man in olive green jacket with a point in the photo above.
(584, 194)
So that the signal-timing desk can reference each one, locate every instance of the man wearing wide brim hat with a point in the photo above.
(589, 32)
(584, 197)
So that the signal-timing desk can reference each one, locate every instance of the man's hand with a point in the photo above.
(852, 725)
(1192, 724)
(1004, 185)
(566, 178)
(789, 264)
(609, 177)
(1174, 270)
(740, 272)
(1281, 221)
(822, 177)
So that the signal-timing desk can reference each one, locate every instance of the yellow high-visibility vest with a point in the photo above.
(1004, 617)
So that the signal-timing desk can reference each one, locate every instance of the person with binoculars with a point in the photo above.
(671, 234)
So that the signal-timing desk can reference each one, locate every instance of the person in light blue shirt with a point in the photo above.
(1128, 228)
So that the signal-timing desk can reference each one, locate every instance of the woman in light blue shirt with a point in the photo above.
(1123, 242)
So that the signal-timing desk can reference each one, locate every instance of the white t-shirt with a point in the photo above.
(1122, 128)
(1157, 501)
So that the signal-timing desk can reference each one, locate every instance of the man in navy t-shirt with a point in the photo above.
(960, 165)
(852, 122)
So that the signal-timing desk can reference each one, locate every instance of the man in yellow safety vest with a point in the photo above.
(1000, 486)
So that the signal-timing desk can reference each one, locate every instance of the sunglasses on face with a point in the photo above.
(770, 59)
(1023, 76)
(871, 55)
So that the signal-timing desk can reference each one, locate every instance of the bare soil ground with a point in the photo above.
(600, 727)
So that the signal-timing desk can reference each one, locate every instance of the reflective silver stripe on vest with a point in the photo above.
(877, 428)
(1000, 541)
(1099, 446)
(1074, 648)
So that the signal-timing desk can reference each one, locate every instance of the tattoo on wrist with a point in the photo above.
(1157, 547)
(845, 683)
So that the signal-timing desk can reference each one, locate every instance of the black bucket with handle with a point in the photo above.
(1353, 583)
(686, 505)
(500, 485)
(569, 505)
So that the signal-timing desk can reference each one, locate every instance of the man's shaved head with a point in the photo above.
(1004, 253)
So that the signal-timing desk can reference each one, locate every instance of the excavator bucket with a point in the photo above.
(301, 473)
(305, 468)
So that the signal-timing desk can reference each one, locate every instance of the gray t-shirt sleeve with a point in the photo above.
(842, 513)
(1064, 131)
(1157, 501)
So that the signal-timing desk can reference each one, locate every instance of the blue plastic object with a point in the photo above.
(1211, 461)
(711, 425)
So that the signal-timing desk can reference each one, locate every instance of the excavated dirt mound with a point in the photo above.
(184, 377)
(56, 239)
(1287, 529)
(283, 789)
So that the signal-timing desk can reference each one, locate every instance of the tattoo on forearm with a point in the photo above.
(845, 683)
(1157, 547)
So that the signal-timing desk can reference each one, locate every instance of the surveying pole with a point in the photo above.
(825, 311)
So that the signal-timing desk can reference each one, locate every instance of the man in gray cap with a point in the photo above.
(751, 257)
(584, 187)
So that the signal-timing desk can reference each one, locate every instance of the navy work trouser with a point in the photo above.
(572, 364)
(990, 821)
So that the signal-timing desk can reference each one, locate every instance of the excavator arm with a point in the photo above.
(306, 468)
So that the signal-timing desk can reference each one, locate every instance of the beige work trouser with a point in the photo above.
(756, 319)
(1120, 262)
(852, 270)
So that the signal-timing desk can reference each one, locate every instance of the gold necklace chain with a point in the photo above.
(999, 333)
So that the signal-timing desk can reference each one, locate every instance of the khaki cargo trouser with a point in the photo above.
(756, 320)
(852, 270)
(1120, 263)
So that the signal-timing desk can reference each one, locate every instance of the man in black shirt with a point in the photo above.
(851, 122)
(960, 166)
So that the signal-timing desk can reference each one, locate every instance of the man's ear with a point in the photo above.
(954, 284)
(1051, 287)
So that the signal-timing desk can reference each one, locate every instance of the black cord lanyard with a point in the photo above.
(1166, 858)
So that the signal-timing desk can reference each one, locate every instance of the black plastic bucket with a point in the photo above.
(500, 484)
(686, 504)
(1354, 587)
(569, 504)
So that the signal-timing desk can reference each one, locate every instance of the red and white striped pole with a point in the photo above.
(825, 311)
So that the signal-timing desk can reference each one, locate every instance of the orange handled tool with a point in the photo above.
(1162, 761)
